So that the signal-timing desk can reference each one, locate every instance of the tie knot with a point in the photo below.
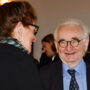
(71, 72)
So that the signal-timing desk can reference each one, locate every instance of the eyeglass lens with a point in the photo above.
(64, 43)
(36, 28)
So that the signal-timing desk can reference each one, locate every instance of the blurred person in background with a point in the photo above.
(49, 53)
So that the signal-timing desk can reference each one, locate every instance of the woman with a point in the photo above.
(17, 33)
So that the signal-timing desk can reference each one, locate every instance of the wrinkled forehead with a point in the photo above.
(68, 32)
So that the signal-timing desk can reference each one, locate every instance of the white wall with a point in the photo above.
(51, 12)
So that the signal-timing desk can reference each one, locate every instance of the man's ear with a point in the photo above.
(86, 44)
(55, 42)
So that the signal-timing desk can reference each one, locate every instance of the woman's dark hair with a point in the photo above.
(13, 12)
(50, 39)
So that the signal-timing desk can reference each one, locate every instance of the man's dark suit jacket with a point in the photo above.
(17, 70)
(87, 57)
(52, 78)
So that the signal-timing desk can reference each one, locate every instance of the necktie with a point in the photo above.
(73, 83)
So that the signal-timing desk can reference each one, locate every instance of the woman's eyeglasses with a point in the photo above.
(36, 28)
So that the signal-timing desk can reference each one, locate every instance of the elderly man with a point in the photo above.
(71, 41)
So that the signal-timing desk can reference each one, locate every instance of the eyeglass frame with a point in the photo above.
(36, 28)
(78, 41)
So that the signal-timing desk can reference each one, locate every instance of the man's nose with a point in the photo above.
(69, 47)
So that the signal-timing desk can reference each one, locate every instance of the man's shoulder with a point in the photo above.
(51, 69)
(88, 66)
(51, 74)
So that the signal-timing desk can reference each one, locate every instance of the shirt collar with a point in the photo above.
(81, 66)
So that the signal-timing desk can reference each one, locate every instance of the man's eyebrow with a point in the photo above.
(62, 40)
(75, 38)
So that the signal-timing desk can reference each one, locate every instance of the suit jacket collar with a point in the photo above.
(58, 80)
(88, 76)
(60, 74)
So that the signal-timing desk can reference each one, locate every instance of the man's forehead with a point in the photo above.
(70, 31)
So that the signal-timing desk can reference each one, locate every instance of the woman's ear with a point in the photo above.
(17, 32)
(19, 27)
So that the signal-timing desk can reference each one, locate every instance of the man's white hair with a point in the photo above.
(71, 21)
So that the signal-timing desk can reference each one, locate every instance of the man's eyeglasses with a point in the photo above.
(73, 43)
(36, 28)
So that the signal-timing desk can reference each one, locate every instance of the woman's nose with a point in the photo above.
(34, 39)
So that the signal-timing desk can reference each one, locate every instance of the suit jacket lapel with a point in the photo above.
(58, 80)
(60, 75)
(88, 76)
